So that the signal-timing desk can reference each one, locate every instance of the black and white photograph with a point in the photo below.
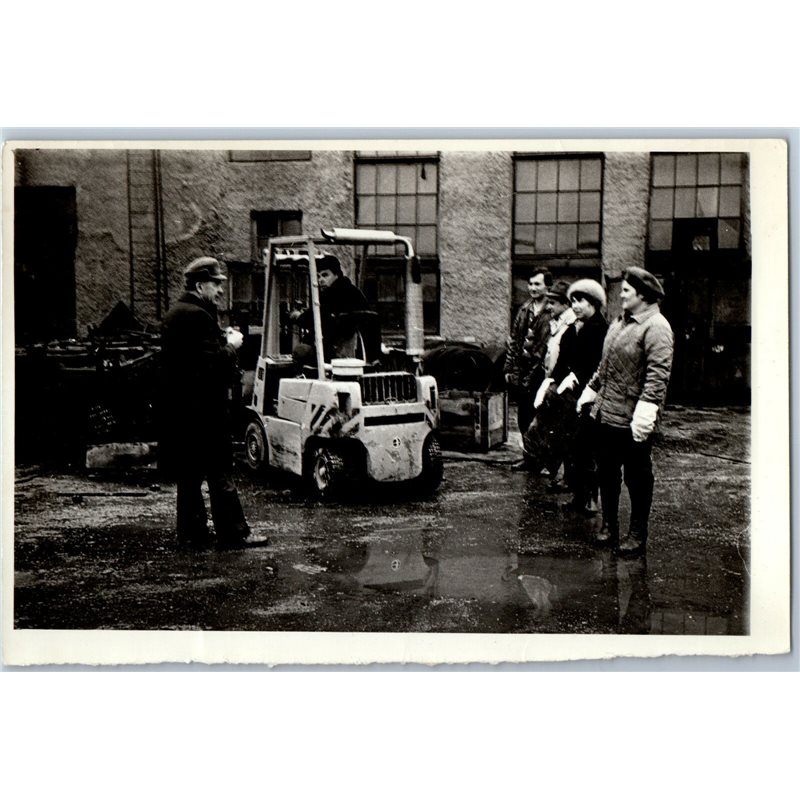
(322, 402)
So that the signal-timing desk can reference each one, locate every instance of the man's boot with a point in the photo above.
(608, 533)
(635, 542)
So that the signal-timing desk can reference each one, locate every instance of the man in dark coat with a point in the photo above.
(338, 297)
(199, 367)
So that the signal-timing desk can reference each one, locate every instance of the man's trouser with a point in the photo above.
(226, 508)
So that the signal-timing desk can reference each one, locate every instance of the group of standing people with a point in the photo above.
(589, 395)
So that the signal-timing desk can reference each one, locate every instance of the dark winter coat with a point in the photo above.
(581, 350)
(519, 361)
(198, 371)
(341, 297)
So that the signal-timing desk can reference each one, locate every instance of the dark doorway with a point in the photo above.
(45, 236)
(708, 305)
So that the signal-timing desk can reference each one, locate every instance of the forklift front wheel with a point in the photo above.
(327, 472)
(432, 466)
(255, 447)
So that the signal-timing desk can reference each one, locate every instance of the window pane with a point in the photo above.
(589, 238)
(524, 239)
(708, 169)
(546, 207)
(525, 175)
(365, 179)
(429, 293)
(660, 235)
(526, 208)
(661, 203)
(403, 230)
(663, 170)
(426, 239)
(407, 210)
(590, 207)
(426, 209)
(730, 201)
(389, 287)
(728, 233)
(590, 173)
(366, 211)
(686, 170)
(568, 175)
(568, 207)
(547, 175)
(707, 200)
(428, 184)
(685, 202)
(387, 178)
(731, 168)
(567, 238)
(387, 211)
(407, 178)
(545, 238)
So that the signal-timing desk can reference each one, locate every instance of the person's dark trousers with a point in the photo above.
(192, 522)
(582, 460)
(525, 410)
(226, 508)
(616, 453)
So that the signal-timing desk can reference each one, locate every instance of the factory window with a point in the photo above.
(557, 207)
(701, 186)
(266, 224)
(558, 215)
(401, 194)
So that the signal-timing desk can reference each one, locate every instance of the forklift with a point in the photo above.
(340, 422)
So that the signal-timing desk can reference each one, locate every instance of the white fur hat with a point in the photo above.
(588, 288)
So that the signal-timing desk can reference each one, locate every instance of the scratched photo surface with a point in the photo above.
(402, 463)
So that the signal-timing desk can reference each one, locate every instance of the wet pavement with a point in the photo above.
(492, 551)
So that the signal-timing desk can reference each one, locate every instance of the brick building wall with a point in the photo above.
(206, 200)
(475, 245)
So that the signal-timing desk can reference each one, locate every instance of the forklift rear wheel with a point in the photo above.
(327, 472)
(255, 447)
(432, 465)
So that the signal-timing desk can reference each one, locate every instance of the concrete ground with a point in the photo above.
(492, 551)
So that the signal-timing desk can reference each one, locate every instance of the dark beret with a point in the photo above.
(644, 282)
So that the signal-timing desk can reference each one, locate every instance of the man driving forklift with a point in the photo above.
(338, 298)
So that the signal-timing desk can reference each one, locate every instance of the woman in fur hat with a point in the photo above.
(579, 354)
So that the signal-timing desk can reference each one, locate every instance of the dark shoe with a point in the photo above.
(634, 543)
(196, 540)
(243, 542)
(608, 533)
(558, 487)
(524, 465)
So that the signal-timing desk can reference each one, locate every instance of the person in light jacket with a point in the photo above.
(628, 391)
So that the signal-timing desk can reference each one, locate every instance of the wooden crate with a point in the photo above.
(473, 420)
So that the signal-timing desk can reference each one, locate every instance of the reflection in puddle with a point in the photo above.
(571, 587)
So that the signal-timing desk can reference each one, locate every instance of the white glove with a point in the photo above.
(570, 382)
(587, 396)
(234, 338)
(644, 420)
(539, 399)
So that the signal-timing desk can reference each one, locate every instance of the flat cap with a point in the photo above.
(644, 282)
(558, 291)
(205, 268)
